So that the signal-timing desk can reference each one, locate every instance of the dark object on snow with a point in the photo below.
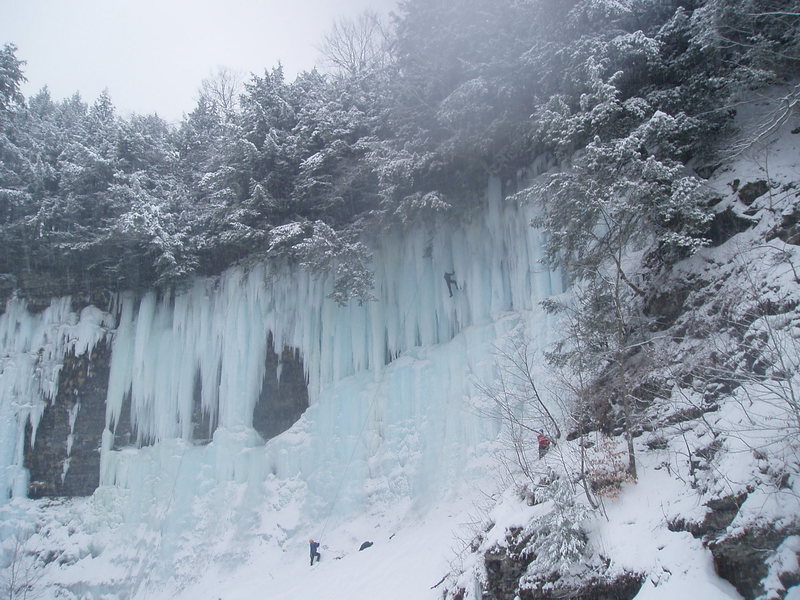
(448, 277)
(314, 553)
(706, 171)
(752, 190)
(725, 225)
(544, 443)
(364, 546)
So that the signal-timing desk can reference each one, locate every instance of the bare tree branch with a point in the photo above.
(354, 46)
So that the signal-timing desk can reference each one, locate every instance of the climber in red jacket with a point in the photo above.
(544, 443)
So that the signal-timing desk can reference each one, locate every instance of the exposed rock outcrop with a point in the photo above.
(725, 225)
(64, 458)
(752, 190)
(505, 566)
(742, 558)
(284, 394)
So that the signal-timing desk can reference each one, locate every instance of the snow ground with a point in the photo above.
(407, 563)
(636, 534)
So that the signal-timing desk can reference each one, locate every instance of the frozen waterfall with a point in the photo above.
(392, 417)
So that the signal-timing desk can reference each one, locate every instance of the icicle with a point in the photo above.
(219, 329)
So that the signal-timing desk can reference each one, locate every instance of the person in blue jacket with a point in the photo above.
(314, 552)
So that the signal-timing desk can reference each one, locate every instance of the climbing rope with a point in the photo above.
(360, 435)
(349, 460)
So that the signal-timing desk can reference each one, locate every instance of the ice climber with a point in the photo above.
(449, 278)
(314, 553)
(544, 443)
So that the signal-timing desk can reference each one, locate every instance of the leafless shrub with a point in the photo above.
(354, 46)
(606, 470)
(25, 569)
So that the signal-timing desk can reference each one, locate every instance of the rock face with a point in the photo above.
(64, 459)
(739, 554)
(506, 568)
(725, 225)
(741, 560)
(752, 190)
(284, 394)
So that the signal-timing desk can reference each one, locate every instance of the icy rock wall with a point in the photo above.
(32, 351)
(65, 458)
(217, 332)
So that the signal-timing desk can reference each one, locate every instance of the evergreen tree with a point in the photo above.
(11, 77)
(613, 98)
(16, 170)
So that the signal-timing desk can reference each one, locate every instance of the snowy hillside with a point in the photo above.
(717, 445)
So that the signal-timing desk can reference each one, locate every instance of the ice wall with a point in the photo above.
(390, 381)
(218, 330)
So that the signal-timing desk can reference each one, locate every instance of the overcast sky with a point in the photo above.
(151, 55)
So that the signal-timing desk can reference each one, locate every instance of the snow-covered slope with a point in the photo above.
(716, 501)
